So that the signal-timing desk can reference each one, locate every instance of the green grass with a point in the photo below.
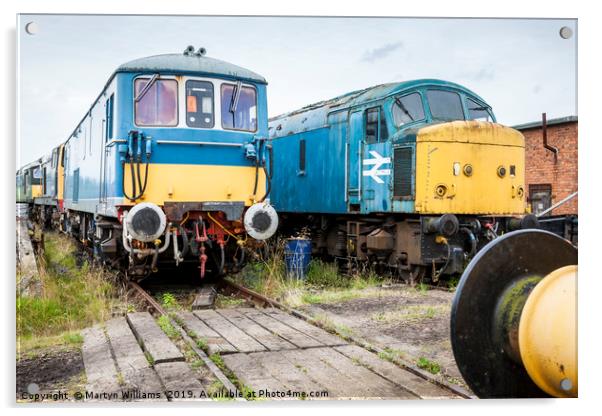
(428, 365)
(202, 344)
(412, 313)
(246, 391)
(322, 274)
(169, 301)
(452, 283)
(324, 283)
(30, 347)
(167, 327)
(391, 354)
(75, 294)
(222, 301)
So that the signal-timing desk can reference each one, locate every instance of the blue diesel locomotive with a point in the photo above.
(169, 165)
(412, 176)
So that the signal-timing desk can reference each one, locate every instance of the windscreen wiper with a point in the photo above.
(479, 108)
(235, 97)
(404, 109)
(146, 88)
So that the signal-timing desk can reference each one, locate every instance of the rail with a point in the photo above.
(191, 343)
(260, 299)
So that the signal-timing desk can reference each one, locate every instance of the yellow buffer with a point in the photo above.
(470, 167)
(198, 183)
(547, 334)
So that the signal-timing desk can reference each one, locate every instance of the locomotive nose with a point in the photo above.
(145, 222)
(261, 221)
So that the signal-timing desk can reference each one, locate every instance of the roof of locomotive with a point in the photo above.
(315, 115)
(187, 64)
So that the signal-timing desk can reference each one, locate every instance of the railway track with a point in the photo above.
(282, 353)
(258, 299)
(270, 349)
(156, 307)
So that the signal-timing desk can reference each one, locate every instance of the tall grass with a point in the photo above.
(267, 275)
(75, 294)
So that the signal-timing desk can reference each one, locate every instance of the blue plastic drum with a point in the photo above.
(297, 254)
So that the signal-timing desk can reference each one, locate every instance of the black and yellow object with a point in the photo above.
(514, 318)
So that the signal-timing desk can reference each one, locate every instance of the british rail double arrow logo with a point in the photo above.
(376, 172)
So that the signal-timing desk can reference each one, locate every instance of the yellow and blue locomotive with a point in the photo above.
(412, 176)
(168, 166)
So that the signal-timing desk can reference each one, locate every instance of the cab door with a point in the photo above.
(353, 155)
(376, 162)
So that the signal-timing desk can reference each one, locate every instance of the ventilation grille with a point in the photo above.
(402, 171)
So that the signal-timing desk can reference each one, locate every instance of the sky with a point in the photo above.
(521, 67)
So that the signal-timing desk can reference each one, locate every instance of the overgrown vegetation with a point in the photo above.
(392, 354)
(169, 301)
(428, 365)
(75, 295)
(411, 313)
(324, 282)
(168, 328)
(245, 390)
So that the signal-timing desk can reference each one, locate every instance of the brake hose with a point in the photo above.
(268, 175)
(139, 191)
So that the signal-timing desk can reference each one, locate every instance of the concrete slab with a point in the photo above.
(371, 385)
(132, 363)
(235, 336)
(302, 326)
(289, 374)
(253, 374)
(153, 339)
(282, 330)
(101, 372)
(205, 298)
(180, 381)
(266, 338)
(409, 381)
(215, 342)
(338, 385)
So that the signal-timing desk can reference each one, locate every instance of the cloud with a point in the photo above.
(380, 53)
(484, 74)
(537, 89)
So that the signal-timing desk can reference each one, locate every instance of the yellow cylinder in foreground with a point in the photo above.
(547, 333)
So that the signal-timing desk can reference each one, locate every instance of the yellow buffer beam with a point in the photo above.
(188, 183)
(470, 167)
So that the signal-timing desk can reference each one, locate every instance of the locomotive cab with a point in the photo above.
(413, 176)
(167, 162)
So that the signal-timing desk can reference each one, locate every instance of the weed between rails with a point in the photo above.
(323, 284)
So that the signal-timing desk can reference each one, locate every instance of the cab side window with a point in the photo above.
(376, 126)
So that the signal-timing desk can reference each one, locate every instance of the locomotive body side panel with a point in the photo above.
(309, 171)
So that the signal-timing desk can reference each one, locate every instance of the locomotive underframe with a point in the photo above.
(194, 236)
(405, 245)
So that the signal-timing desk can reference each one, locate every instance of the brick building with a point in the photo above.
(549, 179)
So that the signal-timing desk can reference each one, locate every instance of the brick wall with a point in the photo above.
(541, 168)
